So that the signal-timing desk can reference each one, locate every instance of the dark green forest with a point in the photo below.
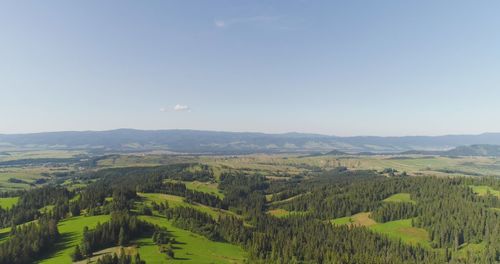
(446, 207)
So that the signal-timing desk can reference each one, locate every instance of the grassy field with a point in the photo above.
(271, 166)
(192, 248)
(483, 190)
(151, 159)
(8, 202)
(129, 250)
(400, 229)
(29, 174)
(4, 234)
(470, 248)
(399, 198)
(206, 187)
(360, 219)
(174, 201)
(267, 165)
(39, 154)
(71, 234)
(281, 165)
(347, 220)
(210, 188)
(279, 212)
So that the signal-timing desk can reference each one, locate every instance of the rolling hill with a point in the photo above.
(194, 141)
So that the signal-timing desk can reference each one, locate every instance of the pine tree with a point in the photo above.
(77, 254)
(122, 237)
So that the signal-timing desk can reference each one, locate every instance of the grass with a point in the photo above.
(174, 201)
(211, 188)
(402, 229)
(483, 190)
(399, 229)
(276, 166)
(140, 160)
(8, 202)
(471, 248)
(360, 219)
(4, 234)
(399, 198)
(39, 154)
(342, 221)
(30, 173)
(279, 212)
(206, 187)
(192, 248)
(27, 174)
(71, 234)
(130, 250)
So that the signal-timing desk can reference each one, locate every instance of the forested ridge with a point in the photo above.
(446, 208)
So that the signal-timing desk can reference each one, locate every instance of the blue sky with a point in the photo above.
(331, 67)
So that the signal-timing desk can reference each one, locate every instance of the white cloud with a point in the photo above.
(245, 20)
(176, 108)
(181, 108)
(220, 23)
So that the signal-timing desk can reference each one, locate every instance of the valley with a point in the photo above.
(212, 209)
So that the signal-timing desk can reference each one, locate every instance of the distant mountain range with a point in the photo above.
(194, 141)
(472, 150)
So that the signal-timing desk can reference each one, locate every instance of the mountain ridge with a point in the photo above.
(202, 141)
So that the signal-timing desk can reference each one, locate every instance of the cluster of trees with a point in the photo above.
(164, 241)
(446, 207)
(118, 231)
(309, 240)
(30, 203)
(454, 215)
(122, 259)
(302, 240)
(193, 220)
(26, 242)
(394, 211)
(343, 193)
(180, 189)
(272, 240)
(132, 179)
(244, 194)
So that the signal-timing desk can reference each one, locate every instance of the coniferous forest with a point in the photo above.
(337, 215)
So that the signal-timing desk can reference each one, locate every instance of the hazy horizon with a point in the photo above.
(261, 132)
(336, 68)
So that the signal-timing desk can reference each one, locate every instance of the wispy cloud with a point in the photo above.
(223, 23)
(220, 23)
(176, 108)
(181, 108)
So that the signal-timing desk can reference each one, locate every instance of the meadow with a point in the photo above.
(399, 229)
(399, 198)
(191, 248)
(484, 190)
(8, 202)
(175, 201)
(71, 231)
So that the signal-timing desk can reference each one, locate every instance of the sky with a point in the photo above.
(387, 68)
